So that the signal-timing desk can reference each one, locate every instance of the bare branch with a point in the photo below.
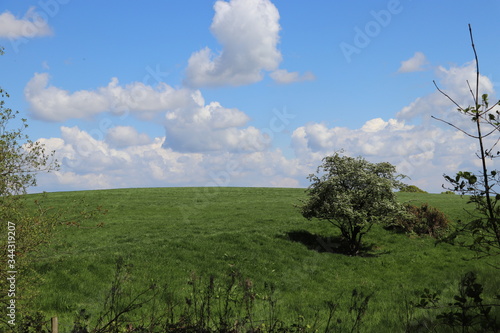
(458, 128)
(451, 99)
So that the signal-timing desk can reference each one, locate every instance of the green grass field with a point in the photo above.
(169, 233)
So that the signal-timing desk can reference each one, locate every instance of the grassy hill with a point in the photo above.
(166, 234)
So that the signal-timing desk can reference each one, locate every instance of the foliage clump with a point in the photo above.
(353, 194)
(423, 220)
(469, 311)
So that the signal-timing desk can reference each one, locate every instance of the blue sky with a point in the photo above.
(243, 92)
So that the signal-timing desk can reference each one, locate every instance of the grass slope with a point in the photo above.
(168, 233)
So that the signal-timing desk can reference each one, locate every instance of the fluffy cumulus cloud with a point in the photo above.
(211, 128)
(452, 81)
(55, 104)
(191, 125)
(282, 76)
(371, 139)
(455, 80)
(125, 136)
(30, 26)
(414, 64)
(248, 31)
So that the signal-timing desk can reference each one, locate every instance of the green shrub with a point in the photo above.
(412, 189)
(448, 192)
(423, 220)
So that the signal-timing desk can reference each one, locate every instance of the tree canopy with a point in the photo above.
(353, 194)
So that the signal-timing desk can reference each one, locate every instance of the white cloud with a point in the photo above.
(125, 136)
(190, 124)
(414, 64)
(248, 31)
(211, 128)
(54, 104)
(374, 125)
(30, 26)
(375, 138)
(282, 76)
(453, 81)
